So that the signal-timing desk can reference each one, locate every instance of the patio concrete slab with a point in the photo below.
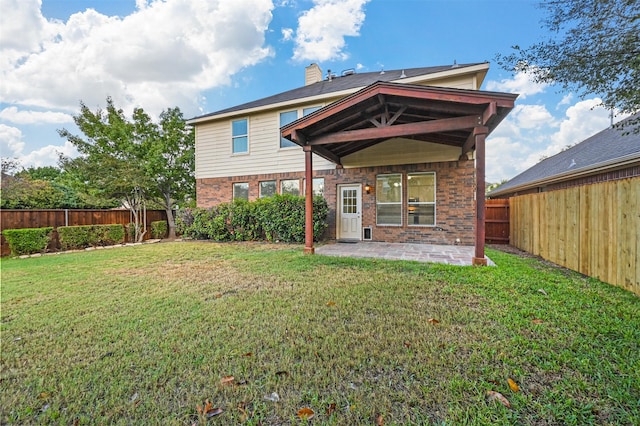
(452, 255)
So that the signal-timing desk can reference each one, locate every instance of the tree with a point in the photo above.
(135, 161)
(593, 48)
(170, 162)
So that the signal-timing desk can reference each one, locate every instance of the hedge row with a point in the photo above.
(277, 218)
(28, 240)
(78, 237)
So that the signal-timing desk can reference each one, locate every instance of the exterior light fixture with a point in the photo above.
(367, 188)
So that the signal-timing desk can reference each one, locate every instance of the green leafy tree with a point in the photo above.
(593, 47)
(170, 162)
(134, 161)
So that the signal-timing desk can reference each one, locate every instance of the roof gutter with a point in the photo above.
(615, 163)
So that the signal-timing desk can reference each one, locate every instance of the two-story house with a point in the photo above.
(396, 154)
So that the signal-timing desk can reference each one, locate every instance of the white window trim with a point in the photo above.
(299, 114)
(260, 187)
(397, 225)
(233, 190)
(424, 203)
(238, 136)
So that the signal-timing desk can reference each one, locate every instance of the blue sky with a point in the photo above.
(205, 55)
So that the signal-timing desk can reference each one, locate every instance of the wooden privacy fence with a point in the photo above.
(496, 221)
(593, 229)
(18, 219)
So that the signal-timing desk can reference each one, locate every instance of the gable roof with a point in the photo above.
(338, 84)
(612, 147)
(385, 110)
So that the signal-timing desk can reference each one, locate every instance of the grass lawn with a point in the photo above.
(146, 334)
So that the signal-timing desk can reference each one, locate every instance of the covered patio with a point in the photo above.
(450, 255)
(384, 111)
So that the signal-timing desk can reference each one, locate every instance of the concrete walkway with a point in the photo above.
(452, 255)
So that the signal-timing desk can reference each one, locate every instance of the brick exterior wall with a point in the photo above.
(455, 204)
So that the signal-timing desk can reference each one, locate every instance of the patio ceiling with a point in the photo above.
(383, 111)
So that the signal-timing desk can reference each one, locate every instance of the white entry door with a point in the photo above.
(349, 212)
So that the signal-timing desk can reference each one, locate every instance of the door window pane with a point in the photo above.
(349, 201)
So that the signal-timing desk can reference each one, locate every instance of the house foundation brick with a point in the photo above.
(455, 203)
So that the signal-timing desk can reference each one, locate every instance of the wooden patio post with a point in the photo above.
(308, 194)
(480, 134)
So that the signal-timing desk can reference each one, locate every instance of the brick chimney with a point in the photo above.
(312, 74)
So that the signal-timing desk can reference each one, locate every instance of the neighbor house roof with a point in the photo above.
(348, 83)
(612, 148)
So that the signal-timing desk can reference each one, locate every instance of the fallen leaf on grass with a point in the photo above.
(513, 385)
(242, 407)
(433, 321)
(537, 321)
(541, 290)
(306, 413)
(227, 380)
(331, 408)
(379, 420)
(44, 395)
(248, 354)
(208, 411)
(331, 303)
(407, 345)
(493, 396)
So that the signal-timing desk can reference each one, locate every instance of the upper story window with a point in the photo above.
(240, 136)
(421, 197)
(286, 118)
(307, 111)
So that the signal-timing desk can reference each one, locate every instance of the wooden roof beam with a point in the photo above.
(423, 127)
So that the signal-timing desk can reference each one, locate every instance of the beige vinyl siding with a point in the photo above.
(214, 157)
(401, 151)
(213, 137)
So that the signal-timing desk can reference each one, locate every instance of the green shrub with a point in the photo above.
(28, 240)
(281, 217)
(159, 229)
(78, 237)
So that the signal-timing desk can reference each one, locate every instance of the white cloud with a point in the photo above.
(11, 143)
(532, 116)
(47, 155)
(322, 29)
(13, 115)
(531, 132)
(161, 55)
(520, 84)
(287, 34)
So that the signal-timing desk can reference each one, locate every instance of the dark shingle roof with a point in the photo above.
(599, 150)
(337, 84)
